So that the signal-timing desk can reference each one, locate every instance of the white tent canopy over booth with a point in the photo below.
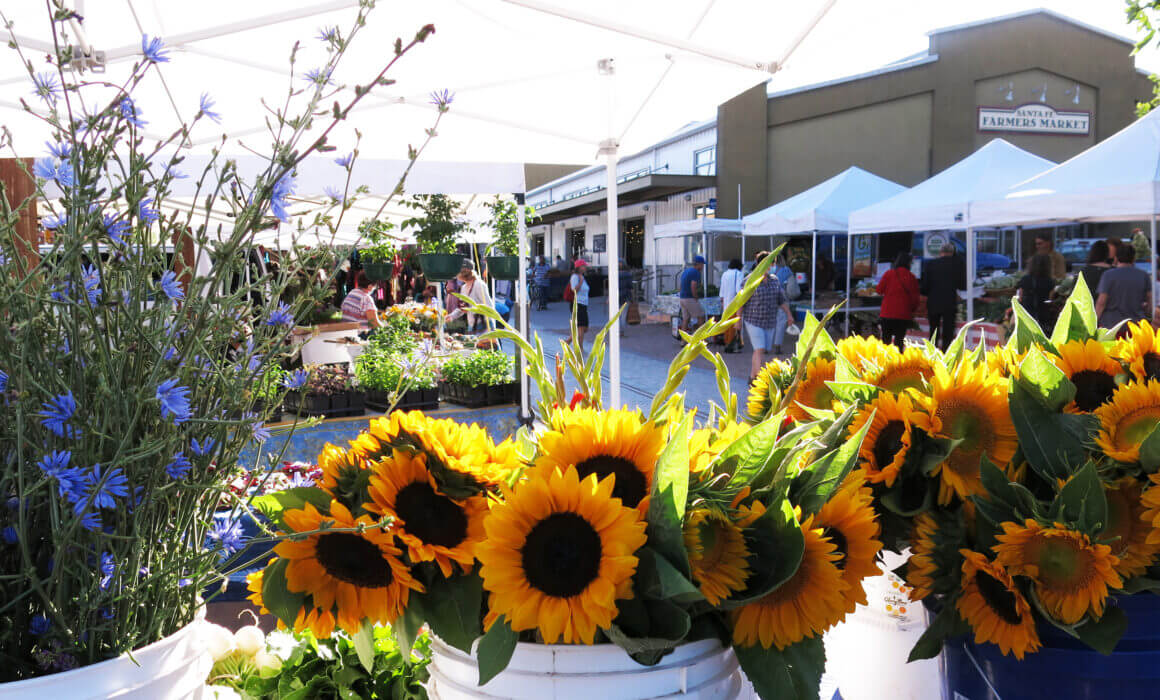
(824, 208)
(706, 228)
(631, 64)
(1117, 179)
(946, 201)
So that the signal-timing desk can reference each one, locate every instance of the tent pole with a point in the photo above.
(970, 274)
(521, 303)
(705, 252)
(1152, 286)
(849, 273)
(1019, 247)
(609, 150)
(814, 273)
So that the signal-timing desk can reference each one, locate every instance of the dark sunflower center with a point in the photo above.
(561, 555)
(433, 518)
(352, 559)
(888, 443)
(999, 598)
(631, 486)
(840, 543)
(1092, 388)
(1151, 366)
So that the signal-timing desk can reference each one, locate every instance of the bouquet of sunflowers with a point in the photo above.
(1023, 479)
(631, 527)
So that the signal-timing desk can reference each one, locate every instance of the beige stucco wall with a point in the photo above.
(1039, 86)
(890, 139)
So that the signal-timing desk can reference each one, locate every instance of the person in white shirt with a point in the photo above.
(359, 305)
(731, 283)
(580, 290)
(473, 288)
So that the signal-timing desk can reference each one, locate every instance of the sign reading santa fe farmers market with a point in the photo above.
(1034, 118)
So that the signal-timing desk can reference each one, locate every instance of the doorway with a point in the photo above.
(632, 242)
(575, 238)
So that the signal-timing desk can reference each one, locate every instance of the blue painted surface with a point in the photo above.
(306, 443)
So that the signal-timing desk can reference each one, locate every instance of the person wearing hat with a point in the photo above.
(580, 291)
(692, 313)
(475, 289)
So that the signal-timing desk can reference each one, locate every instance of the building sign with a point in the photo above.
(932, 246)
(1034, 118)
(599, 242)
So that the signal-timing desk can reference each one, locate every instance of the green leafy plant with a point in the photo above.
(441, 222)
(390, 372)
(482, 368)
(378, 246)
(394, 337)
(272, 384)
(328, 380)
(505, 222)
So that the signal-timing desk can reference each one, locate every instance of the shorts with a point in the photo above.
(581, 315)
(691, 310)
(760, 337)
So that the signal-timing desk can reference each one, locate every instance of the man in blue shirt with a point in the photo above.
(692, 313)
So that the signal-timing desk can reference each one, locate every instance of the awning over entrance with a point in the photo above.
(642, 189)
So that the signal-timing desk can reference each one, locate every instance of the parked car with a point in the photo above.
(1075, 251)
(983, 261)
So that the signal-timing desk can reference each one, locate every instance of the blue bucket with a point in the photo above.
(1065, 668)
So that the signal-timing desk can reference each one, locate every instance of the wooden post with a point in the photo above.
(184, 264)
(18, 188)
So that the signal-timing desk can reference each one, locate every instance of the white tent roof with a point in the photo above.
(823, 207)
(695, 227)
(946, 200)
(1117, 179)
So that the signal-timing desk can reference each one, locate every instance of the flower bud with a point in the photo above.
(250, 640)
(219, 641)
(265, 660)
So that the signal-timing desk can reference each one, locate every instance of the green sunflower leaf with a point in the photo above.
(775, 544)
(793, 672)
(1003, 502)
(670, 493)
(1150, 451)
(749, 455)
(273, 505)
(852, 391)
(1077, 321)
(944, 625)
(408, 626)
(452, 608)
(496, 649)
(1081, 502)
(277, 596)
(648, 629)
(1052, 442)
(955, 350)
(824, 345)
(364, 645)
(1103, 634)
(1027, 332)
(816, 483)
(1045, 381)
(657, 579)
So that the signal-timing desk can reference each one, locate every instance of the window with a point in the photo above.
(705, 161)
(703, 211)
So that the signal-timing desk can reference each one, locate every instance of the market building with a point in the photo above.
(1044, 82)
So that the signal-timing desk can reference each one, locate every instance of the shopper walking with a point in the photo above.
(1034, 290)
(760, 318)
(540, 279)
(731, 283)
(1044, 245)
(580, 290)
(899, 291)
(942, 278)
(1097, 265)
(691, 291)
(1125, 291)
(475, 289)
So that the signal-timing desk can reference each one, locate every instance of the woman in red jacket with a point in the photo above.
(899, 290)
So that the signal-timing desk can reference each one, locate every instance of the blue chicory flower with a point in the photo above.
(174, 401)
(45, 86)
(171, 286)
(90, 519)
(92, 282)
(107, 568)
(170, 354)
(333, 193)
(205, 107)
(442, 98)
(44, 168)
(202, 449)
(345, 161)
(9, 535)
(39, 625)
(115, 228)
(179, 467)
(226, 536)
(318, 76)
(107, 486)
(3, 381)
(259, 431)
(55, 222)
(146, 212)
(131, 112)
(283, 188)
(57, 412)
(281, 316)
(296, 379)
(154, 49)
(327, 34)
(60, 150)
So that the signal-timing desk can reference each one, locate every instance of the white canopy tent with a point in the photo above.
(946, 201)
(703, 227)
(1118, 179)
(823, 208)
(489, 55)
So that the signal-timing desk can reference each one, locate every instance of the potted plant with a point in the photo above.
(612, 551)
(392, 380)
(437, 227)
(378, 250)
(481, 378)
(269, 391)
(503, 263)
(329, 393)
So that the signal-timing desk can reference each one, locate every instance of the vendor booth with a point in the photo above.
(946, 201)
(823, 209)
(708, 229)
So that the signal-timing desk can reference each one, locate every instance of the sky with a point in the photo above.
(534, 73)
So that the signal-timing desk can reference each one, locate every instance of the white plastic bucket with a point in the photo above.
(867, 653)
(174, 668)
(702, 669)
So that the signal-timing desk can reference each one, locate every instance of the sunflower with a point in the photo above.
(892, 420)
(866, 352)
(1132, 415)
(717, 554)
(1130, 527)
(1150, 501)
(848, 520)
(766, 391)
(935, 560)
(1071, 575)
(994, 608)
(1004, 361)
(1088, 366)
(1141, 350)
(706, 444)
(433, 526)
(254, 583)
(359, 574)
(321, 623)
(559, 553)
(807, 604)
(812, 391)
(909, 369)
(341, 470)
(596, 442)
(969, 405)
